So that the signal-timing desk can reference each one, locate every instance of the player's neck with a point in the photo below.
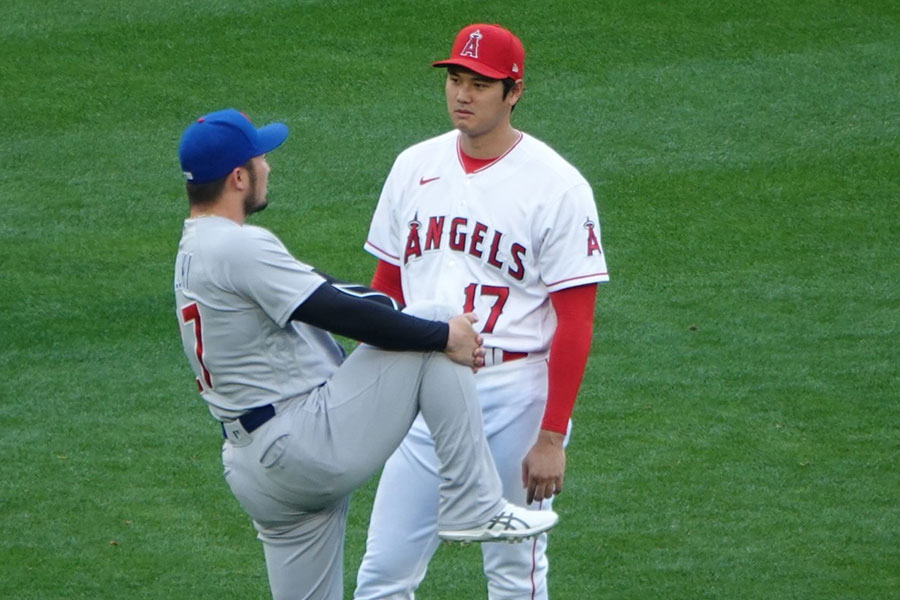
(491, 144)
(223, 207)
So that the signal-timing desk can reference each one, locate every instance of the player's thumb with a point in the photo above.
(472, 317)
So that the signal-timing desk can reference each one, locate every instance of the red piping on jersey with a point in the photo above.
(382, 250)
(577, 278)
(462, 155)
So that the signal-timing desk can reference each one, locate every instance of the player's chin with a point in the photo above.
(464, 125)
(258, 205)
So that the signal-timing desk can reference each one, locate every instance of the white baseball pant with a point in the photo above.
(403, 530)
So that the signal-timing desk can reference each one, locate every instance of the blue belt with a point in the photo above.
(254, 418)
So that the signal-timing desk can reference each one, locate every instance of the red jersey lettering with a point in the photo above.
(477, 239)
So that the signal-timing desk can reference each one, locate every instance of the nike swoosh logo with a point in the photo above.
(423, 181)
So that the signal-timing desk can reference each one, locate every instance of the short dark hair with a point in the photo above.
(206, 193)
(508, 84)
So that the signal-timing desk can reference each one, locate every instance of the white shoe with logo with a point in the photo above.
(512, 524)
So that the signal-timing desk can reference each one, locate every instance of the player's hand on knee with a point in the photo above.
(464, 345)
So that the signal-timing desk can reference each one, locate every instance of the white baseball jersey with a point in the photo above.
(235, 289)
(496, 241)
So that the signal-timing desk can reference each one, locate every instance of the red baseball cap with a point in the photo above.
(489, 50)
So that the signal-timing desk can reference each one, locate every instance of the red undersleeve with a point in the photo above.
(387, 280)
(569, 352)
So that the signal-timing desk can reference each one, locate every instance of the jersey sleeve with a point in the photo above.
(571, 252)
(383, 237)
(261, 269)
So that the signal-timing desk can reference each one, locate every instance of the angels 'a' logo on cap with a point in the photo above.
(471, 47)
(515, 68)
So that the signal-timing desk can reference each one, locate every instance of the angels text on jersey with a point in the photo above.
(472, 237)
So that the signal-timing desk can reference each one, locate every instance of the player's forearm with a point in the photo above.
(569, 352)
(374, 323)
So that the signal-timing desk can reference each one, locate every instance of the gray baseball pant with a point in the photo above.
(295, 473)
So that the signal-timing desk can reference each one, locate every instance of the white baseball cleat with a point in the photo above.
(512, 524)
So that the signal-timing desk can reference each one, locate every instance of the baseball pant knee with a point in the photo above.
(305, 560)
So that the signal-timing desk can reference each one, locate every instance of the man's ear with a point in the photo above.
(516, 92)
(239, 179)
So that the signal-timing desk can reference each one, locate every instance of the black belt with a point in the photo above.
(254, 418)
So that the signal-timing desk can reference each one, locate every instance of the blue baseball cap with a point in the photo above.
(219, 142)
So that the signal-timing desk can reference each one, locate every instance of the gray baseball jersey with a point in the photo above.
(336, 421)
(235, 288)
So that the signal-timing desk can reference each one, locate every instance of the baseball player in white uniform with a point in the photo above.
(489, 219)
(304, 427)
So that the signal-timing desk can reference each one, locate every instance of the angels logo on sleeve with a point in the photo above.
(593, 244)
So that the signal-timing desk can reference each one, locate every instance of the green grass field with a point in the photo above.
(738, 431)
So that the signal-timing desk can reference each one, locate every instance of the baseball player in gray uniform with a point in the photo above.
(490, 219)
(304, 426)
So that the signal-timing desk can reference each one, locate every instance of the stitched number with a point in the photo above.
(192, 313)
(502, 294)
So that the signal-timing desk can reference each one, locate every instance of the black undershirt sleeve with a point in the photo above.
(356, 289)
(369, 320)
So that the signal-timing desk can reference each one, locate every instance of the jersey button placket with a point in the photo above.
(460, 205)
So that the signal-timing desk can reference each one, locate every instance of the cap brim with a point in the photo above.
(271, 136)
(472, 65)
